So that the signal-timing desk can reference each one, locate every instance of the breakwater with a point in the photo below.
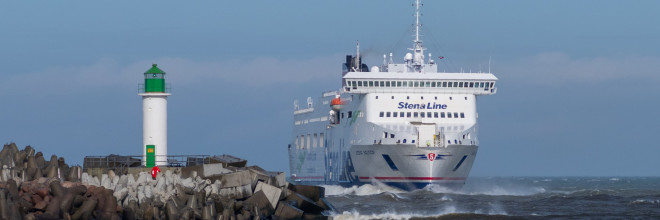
(34, 188)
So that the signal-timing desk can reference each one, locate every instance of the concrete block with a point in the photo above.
(271, 192)
(259, 205)
(305, 203)
(325, 204)
(312, 192)
(278, 179)
(239, 178)
(286, 211)
(213, 169)
(238, 192)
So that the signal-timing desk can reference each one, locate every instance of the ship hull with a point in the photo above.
(403, 166)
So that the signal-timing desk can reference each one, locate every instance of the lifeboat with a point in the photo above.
(336, 104)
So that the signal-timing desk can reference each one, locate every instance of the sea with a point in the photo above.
(504, 198)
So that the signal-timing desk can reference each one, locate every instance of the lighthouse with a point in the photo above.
(154, 118)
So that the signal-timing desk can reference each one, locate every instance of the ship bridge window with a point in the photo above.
(371, 83)
(449, 85)
(444, 84)
(455, 115)
(401, 114)
(442, 115)
(387, 84)
(432, 84)
(422, 115)
(481, 84)
(350, 114)
(455, 84)
(394, 114)
(471, 85)
(460, 84)
(435, 114)
(462, 115)
(359, 83)
(382, 84)
(398, 84)
(416, 114)
(428, 114)
(388, 114)
(449, 115)
(382, 114)
(416, 84)
(408, 114)
(428, 84)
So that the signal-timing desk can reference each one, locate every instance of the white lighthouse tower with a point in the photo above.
(154, 118)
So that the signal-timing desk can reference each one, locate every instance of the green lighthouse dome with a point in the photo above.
(154, 79)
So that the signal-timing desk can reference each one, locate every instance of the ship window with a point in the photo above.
(342, 115)
(416, 84)
(428, 114)
(385, 135)
(428, 84)
(444, 84)
(455, 115)
(387, 84)
(455, 84)
(382, 84)
(308, 144)
(465, 97)
(422, 97)
(471, 85)
(416, 114)
(408, 114)
(407, 97)
(392, 97)
(371, 83)
(450, 85)
(460, 84)
(388, 114)
(436, 98)
(391, 135)
(382, 114)
(481, 84)
(359, 83)
(404, 140)
(422, 115)
(432, 84)
(462, 115)
(448, 114)
(435, 114)
(315, 142)
(296, 143)
(405, 84)
(394, 114)
(449, 97)
(398, 84)
(401, 114)
(442, 115)
(350, 114)
(321, 140)
(492, 84)
(413, 141)
(376, 97)
(393, 83)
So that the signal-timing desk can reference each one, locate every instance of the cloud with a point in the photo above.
(108, 72)
(553, 68)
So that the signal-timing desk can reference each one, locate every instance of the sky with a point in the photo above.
(577, 91)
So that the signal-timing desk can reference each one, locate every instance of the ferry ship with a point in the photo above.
(402, 124)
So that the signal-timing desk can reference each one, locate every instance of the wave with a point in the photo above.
(489, 189)
(363, 190)
(447, 211)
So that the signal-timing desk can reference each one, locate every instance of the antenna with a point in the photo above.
(358, 57)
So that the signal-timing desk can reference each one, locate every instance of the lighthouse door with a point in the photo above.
(151, 155)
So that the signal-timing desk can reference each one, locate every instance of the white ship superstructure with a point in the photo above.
(403, 124)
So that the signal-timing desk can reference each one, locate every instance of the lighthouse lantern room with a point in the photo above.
(154, 118)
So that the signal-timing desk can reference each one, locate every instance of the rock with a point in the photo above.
(312, 192)
(259, 205)
(239, 178)
(305, 203)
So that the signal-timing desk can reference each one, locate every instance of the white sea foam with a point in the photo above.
(363, 190)
(491, 190)
(645, 201)
(495, 209)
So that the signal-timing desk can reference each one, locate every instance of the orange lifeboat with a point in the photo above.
(336, 104)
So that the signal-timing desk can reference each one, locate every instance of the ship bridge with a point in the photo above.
(392, 82)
